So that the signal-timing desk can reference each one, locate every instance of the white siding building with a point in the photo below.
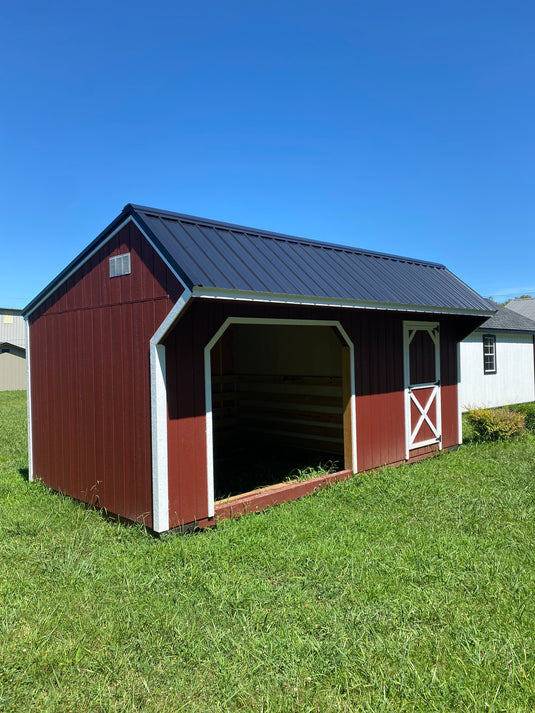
(498, 362)
(12, 350)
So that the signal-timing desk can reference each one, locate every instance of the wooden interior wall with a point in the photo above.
(305, 411)
(278, 384)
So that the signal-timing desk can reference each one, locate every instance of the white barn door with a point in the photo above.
(421, 360)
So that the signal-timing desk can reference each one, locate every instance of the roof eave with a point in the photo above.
(74, 264)
(315, 301)
(501, 330)
(12, 344)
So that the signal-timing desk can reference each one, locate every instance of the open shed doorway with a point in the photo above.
(281, 403)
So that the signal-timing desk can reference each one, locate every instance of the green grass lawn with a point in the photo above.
(409, 589)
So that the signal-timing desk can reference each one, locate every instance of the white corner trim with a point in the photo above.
(208, 385)
(158, 407)
(160, 494)
(168, 322)
(209, 425)
(29, 403)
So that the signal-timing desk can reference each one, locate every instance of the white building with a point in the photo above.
(498, 362)
(12, 350)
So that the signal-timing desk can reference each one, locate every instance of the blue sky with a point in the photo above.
(407, 128)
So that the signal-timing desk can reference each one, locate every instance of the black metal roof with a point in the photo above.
(215, 257)
(507, 320)
(213, 254)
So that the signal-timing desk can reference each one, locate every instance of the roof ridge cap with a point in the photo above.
(272, 235)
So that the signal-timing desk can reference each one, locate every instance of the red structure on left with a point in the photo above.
(172, 343)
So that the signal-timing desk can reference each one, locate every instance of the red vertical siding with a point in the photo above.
(90, 378)
(380, 416)
(451, 331)
(91, 390)
(422, 358)
(188, 491)
(378, 339)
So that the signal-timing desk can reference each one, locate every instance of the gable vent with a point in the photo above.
(120, 265)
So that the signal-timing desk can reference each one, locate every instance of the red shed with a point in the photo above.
(175, 356)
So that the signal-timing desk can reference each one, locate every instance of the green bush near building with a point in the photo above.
(496, 424)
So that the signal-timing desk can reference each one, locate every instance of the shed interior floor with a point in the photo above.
(258, 466)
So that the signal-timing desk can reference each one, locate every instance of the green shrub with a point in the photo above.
(468, 429)
(529, 411)
(496, 424)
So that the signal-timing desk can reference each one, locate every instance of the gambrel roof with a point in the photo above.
(216, 259)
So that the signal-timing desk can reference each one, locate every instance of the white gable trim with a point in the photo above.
(54, 286)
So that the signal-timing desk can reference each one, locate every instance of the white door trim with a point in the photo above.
(409, 331)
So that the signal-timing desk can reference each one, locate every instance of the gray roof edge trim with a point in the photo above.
(259, 233)
(501, 330)
(249, 296)
(6, 342)
(471, 289)
(106, 235)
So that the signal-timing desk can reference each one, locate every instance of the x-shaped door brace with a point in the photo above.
(423, 412)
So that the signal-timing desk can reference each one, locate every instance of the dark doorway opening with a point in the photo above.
(280, 405)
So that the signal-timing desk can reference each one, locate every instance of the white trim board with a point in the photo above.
(29, 403)
(208, 385)
(158, 408)
(433, 329)
(268, 297)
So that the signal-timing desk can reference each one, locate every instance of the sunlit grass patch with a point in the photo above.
(408, 589)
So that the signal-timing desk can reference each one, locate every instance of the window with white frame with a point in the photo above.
(489, 354)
